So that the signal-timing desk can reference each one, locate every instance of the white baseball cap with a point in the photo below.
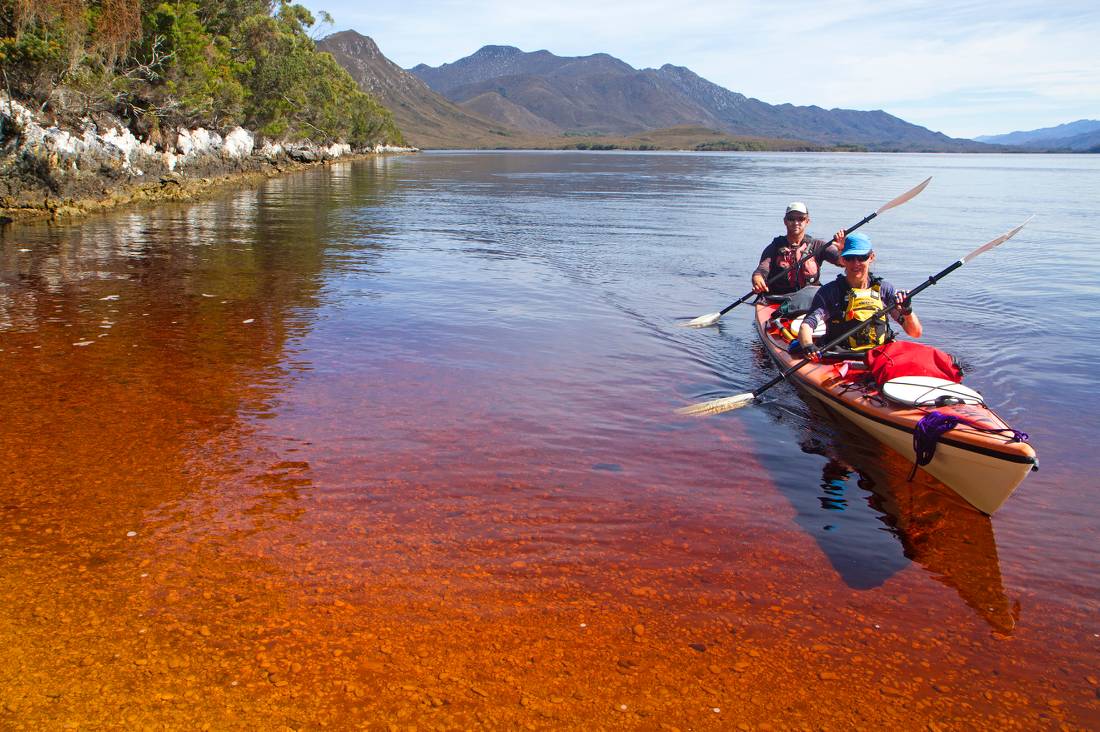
(797, 207)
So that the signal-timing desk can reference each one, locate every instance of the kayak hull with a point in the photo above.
(983, 466)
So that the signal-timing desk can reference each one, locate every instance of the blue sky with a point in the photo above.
(964, 68)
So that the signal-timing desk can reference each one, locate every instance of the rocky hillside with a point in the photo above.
(601, 95)
(426, 118)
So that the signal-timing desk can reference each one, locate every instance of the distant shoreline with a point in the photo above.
(699, 139)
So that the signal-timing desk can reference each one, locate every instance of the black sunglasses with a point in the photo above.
(796, 219)
(857, 257)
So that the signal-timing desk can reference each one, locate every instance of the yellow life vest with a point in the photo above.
(861, 304)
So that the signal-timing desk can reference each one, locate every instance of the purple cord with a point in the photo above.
(932, 426)
(927, 434)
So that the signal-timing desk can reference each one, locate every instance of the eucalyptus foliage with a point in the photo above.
(160, 64)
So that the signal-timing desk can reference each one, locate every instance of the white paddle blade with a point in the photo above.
(903, 198)
(703, 321)
(996, 242)
(717, 406)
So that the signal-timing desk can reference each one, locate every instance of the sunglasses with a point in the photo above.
(796, 219)
(857, 257)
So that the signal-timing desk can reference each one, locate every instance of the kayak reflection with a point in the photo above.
(867, 502)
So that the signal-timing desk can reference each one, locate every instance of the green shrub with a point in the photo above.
(160, 64)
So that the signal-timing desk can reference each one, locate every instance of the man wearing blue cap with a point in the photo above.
(785, 253)
(854, 296)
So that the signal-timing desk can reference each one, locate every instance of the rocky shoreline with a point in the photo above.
(48, 171)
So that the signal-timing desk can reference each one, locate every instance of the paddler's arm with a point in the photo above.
(806, 330)
(818, 313)
(831, 251)
(806, 340)
(760, 274)
(905, 316)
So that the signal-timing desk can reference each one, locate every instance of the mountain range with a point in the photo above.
(426, 118)
(1080, 136)
(599, 94)
(501, 96)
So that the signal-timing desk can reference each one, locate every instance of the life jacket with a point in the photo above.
(860, 303)
(797, 277)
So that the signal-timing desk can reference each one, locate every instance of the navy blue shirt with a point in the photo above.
(832, 298)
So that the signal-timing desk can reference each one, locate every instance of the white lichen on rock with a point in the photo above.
(105, 150)
(239, 144)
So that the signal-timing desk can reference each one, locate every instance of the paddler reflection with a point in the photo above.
(937, 530)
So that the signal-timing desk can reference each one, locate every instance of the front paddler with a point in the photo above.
(856, 295)
(785, 252)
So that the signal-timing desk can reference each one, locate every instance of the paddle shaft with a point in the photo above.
(861, 325)
(779, 275)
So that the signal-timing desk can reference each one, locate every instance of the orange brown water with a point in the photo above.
(297, 478)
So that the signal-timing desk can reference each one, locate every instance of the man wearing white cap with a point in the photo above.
(785, 252)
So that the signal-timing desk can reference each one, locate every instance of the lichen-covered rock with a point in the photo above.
(239, 143)
(303, 152)
(337, 150)
(271, 151)
(197, 142)
(44, 166)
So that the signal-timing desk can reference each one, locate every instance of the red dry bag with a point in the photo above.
(906, 358)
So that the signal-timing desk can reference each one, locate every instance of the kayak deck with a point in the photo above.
(983, 463)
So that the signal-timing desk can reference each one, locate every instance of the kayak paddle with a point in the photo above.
(711, 318)
(725, 404)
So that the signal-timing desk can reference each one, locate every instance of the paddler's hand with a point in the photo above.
(901, 306)
(812, 352)
(758, 284)
(838, 238)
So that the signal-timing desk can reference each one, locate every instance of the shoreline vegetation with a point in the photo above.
(110, 101)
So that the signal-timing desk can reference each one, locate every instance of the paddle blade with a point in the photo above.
(996, 242)
(703, 321)
(717, 406)
(908, 195)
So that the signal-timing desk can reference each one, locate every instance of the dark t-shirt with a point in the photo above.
(779, 256)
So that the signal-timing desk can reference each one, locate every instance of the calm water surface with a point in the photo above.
(395, 440)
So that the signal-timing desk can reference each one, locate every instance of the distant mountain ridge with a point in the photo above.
(492, 62)
(426, 118)
(600, 94)
(1084, 134)
(1070, 129)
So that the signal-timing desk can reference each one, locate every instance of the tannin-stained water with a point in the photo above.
(394, 442)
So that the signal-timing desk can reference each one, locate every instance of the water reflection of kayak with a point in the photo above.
(937, 530)
(983, 463)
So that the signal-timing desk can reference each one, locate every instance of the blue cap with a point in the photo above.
(856, 243)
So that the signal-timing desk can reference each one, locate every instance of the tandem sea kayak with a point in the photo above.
(982, 458)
